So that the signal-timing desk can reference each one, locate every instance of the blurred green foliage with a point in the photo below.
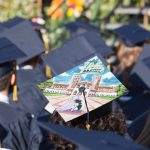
(22, 8)
(95, 11)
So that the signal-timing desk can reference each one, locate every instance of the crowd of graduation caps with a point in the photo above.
(24, 124)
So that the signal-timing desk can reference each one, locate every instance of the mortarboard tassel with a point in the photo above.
(15, 90)
(88, 114)
(47, 69)
(108, 63)
(108, 66)
(82, 90)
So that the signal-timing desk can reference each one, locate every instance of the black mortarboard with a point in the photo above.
(132, 34)
(12, 22)
(141, 69)
(91, 140)
(136, 106)
(77, 27)
(97, 42)
(2, 29)
(71, 54)
(146, 52)
(23, 36)
(16, 20)
(9, 52)
(77, 81)
(140, 74)
(138, 124)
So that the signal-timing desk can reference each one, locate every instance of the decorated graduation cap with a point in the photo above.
(97, 42)
(23, 36)
(71, 54)
(132, 34)
(9, 53)
(77, 27)
(82, 89)
(90, 140)
(140, 73)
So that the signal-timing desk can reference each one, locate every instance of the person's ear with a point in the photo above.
(12, 80)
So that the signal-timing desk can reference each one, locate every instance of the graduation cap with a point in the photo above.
(79, 90)
(16, 20)
(2, 29)
(77, 27)
(90, 140)
(9, 53)
(97, 42)
(132, 34)
(35, 26)
(26, 39)
(12, 22)
(136, 106)
(146, 52)
(71, 54)
(141, 70)
(138, 124)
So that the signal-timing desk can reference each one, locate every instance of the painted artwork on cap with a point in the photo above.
(100, 85)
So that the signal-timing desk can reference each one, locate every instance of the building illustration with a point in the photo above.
(101, 87)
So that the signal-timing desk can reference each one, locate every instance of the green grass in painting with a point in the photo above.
(52, 94)
(107, 97)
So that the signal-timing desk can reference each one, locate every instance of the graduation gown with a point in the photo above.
(40, 71)
(26, 77)
(19, 130)
(31, 100)
(16, 123)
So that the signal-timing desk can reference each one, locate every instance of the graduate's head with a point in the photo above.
(7, 76)
(9, 53)
(32, 62)
(128, 56)
(27, 40)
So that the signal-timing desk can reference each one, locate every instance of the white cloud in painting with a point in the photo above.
(81, 67)
(65, 74)
(108, 75)
(84, 76)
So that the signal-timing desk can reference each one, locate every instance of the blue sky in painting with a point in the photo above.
(108, 79)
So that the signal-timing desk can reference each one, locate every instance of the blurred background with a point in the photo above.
(103, 14)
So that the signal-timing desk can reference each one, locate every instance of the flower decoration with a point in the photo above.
(58, 14)
(75, 7)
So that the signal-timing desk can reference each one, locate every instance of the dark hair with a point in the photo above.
(60, 143)
(4, 81)
(127, 56)
(112, 121)
(144, 137)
